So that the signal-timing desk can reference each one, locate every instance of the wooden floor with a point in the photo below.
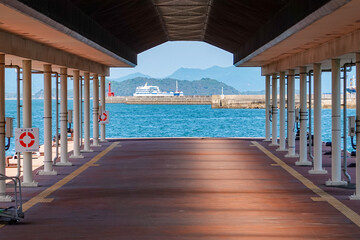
(177, 189)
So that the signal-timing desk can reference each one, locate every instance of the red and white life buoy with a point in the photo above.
(103, 117)
(27, 141)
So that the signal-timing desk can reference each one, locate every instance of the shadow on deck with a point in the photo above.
(182, 189)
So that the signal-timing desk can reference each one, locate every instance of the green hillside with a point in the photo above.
(204, 87)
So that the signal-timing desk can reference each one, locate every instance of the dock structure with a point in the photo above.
(184, 188)
(163, 100)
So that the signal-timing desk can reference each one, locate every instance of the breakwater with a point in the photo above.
(218, 101)
(238, 101)
(161, 100)
(258, 101)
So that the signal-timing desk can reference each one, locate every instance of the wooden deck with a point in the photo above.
(184, 189)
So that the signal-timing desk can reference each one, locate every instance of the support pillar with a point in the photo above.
(287, 110)
(95, 142)
(274, 111)
(48, 162)
(63, 119)
(282, 113)
(3, 196)
(317, 166)
(27, 123)
(291, 115)
(303, 160)
(102, 126)
(267, 108)
(335, 126)
(356, 195)
(86, 113)
(76, 115)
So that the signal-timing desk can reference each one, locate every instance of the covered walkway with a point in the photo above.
(185, 189)
(182, 188)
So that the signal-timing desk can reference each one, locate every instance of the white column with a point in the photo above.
(291, 115)
(76, 115)
(274, 111)
(48, 162)
(63, 119)
(282, 113)
(95, 142)
(86, 113)
(356, 195)
(303, 160)
(335, 126)
(287, 111)
(267, 108)
(27, 123)
(3, 196)
(317, 166)
(102, 126)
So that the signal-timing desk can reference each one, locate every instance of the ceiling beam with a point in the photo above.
(284, 24)
(28, 49)
(336, 48)
(75, 24)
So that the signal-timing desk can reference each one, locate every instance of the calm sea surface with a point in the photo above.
(132, 121)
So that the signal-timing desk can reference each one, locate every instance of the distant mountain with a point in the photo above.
(130, 76)
(39, 94)
(37, 83)
(204, 87)
(243, 79)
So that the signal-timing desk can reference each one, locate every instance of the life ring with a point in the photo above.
(103, 117)
(23, 143)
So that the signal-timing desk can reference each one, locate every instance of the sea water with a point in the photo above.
(146, 121)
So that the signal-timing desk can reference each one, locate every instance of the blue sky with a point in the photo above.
(163, 60)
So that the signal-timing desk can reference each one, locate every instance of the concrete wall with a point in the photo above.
(229, 101)
(258, 101)
(238, 101)
(183, 100)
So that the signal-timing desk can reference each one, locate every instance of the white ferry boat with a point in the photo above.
(147, 90)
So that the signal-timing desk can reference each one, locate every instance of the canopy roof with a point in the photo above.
(143, 24)
(129, 27)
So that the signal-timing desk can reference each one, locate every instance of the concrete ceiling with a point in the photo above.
(143, 24)
(119, 30)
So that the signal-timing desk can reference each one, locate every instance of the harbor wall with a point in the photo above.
(258, 101)
(216, 101)
(161, 100)
(238, 101)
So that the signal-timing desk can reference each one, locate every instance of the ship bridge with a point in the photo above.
(102, 188)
